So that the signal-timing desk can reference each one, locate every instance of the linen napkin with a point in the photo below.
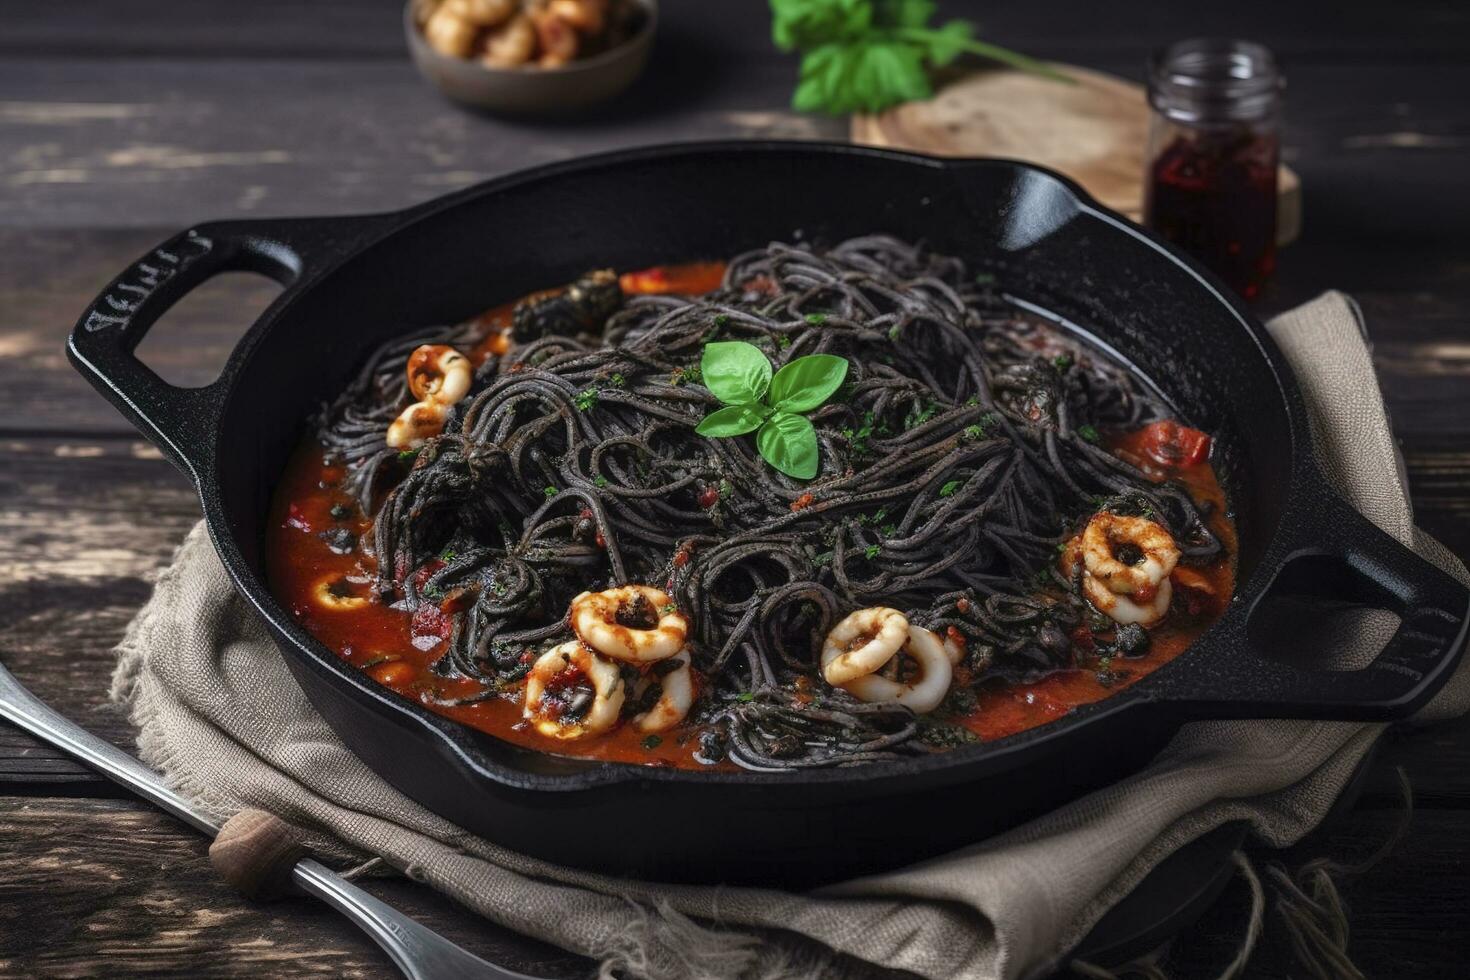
(220, 715)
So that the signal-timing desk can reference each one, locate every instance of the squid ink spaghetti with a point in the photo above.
(810, 507)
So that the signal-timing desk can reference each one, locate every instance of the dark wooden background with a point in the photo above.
(124, 120)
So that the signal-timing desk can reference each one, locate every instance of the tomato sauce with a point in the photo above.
(327, 589)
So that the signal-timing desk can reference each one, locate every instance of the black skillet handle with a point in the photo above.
(1337, 553)
(182, 421)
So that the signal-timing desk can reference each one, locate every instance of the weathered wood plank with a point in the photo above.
(114, 29)
(103, 886)
(79, 555)
(172, 141)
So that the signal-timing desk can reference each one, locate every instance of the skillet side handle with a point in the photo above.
(1337, 553)
(182, 421)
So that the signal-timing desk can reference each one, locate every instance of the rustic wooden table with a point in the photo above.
(124, 120)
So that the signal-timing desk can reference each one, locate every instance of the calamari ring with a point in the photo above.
(1128, 609)
(862, 642)
(607, 686)
(419, 422)
(439, 373)
(922, 696)
(329, 595)
(1106, 531)
(594, 617)
(674, 702)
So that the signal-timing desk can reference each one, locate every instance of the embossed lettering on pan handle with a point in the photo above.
(182, 421)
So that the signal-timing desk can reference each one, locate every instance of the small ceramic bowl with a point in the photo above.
(528, 90)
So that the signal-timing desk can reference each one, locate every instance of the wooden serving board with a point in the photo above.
(1095, 132)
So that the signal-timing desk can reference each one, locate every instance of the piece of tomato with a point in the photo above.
(1170, 444)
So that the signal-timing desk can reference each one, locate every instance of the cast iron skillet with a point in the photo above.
(352, 282)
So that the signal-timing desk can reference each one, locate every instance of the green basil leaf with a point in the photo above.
(807, 381)
(735, 372)
(789, 443)
(732, 420)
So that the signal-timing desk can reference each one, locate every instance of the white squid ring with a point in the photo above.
(329, 597)
(439, 373)
(862, 642)
(594, 618)
(418, 423)
(1156, 546)
(607, 685)
(1127, 593)
(922, 696)
(674, 702)
(1127, 609)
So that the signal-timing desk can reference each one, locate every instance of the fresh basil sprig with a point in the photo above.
(866, 55)
(739, 375)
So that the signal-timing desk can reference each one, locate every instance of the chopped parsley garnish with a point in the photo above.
(1061, 362)
(871, 551)
(983, 428)
(816, 319)
(408, 454)
(550, 492)
(586, 399)
(1088, 432)
(919, 417)
(617, 381)
(949, 488)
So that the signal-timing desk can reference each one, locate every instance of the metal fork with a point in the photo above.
(420, 952)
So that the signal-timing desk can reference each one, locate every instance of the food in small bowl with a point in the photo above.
(530, 56)
(516, 33)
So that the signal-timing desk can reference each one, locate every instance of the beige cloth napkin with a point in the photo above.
(220, 715)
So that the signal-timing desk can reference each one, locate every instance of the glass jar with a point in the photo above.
(1214, 145)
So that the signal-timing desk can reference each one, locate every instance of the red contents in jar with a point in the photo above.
(1214, 195)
